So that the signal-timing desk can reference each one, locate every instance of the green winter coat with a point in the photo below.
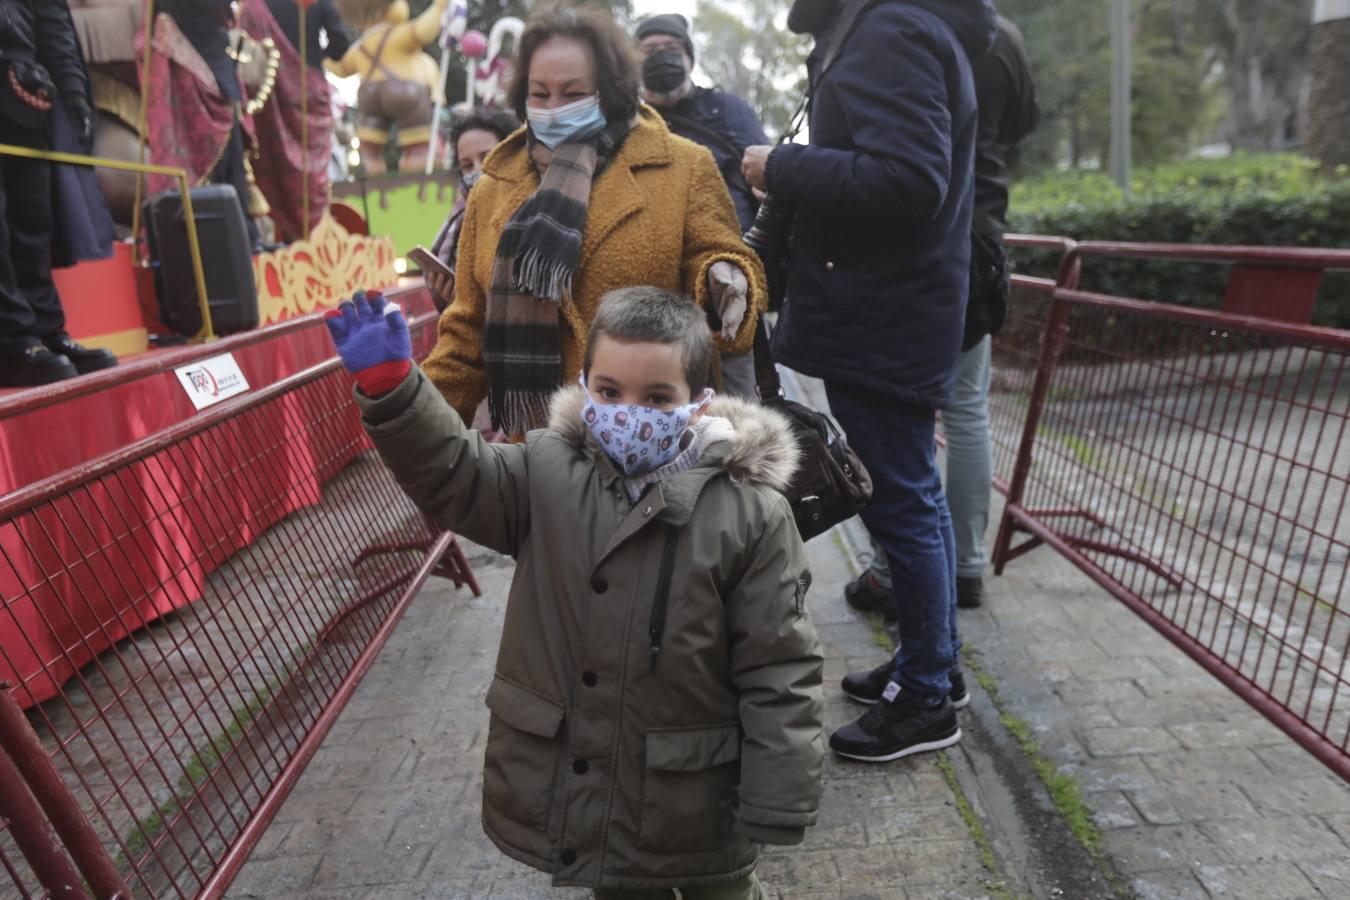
(609, 765)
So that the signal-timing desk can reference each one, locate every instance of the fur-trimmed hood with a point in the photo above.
(762, 450)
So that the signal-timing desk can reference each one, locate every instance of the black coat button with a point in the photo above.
(568, 857)
(599, 585)
(581, 767)
(589, 679)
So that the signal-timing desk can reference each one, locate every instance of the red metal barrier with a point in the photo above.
(1196, 464)
(239, 612)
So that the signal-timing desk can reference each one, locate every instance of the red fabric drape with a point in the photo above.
(282, 159)
(188, 119)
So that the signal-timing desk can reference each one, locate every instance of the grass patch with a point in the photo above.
(200, 766)
(1063, 790)
(975, 827)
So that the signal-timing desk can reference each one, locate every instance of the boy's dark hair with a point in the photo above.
(494, 121)
(618, 76)
(654, 315)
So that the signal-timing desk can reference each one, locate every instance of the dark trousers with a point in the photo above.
(230, 170)
(909, 519)
(29, 304)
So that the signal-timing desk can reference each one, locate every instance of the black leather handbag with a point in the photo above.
(831, 484)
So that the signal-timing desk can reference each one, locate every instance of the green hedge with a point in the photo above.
(1271, 199)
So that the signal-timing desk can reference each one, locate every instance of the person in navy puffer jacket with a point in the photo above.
(876, 306)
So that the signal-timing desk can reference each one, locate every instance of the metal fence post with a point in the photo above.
(24, 748)
(1057, 327)
(33, 835)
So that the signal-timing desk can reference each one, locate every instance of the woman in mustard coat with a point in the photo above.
(592, 195)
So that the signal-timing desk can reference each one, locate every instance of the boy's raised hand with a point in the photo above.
(372, 338)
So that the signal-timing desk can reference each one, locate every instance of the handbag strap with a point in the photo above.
(767, 384)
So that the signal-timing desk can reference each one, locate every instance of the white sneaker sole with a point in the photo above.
(956, 704)
(927, 747)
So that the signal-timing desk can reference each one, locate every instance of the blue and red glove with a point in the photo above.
(371, 336)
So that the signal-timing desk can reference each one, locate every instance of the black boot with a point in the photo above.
(867, 595)
(85, 359)
(32, 364)
(969, 591)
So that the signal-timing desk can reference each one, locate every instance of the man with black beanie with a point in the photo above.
(883, 198)
(722, 122)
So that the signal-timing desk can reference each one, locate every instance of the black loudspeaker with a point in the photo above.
(227, 260)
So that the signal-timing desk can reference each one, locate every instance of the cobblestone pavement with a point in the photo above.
(1196, 794)
(389, 807)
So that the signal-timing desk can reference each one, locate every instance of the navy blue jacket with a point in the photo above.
(883, 196)
(731, 119)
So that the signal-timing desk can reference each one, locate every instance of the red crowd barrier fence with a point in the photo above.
(213, 592)
(1196, 464)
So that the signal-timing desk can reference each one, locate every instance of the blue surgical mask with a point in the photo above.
(639, 439)
(576, 121)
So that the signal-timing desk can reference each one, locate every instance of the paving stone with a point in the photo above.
(1114, 668)
(1169, 884)
(1331, 876)
(1120, 773)
(1268, 881)
(279, 875)
(1169, 805)
(1148, 849)
(1191, 767)
(1298, 796)
(1243, 731)
(1112, 809)
(1129, 740)
(395, 864)
(789, 869)
(1276, 838)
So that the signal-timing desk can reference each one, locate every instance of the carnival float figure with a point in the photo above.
(400, 82)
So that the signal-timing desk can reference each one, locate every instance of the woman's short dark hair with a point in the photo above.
(494, 121)
(617, 71)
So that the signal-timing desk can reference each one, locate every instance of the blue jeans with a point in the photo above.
(969, 467)
(908, 518)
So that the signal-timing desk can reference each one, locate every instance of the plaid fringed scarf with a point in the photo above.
(537, 257)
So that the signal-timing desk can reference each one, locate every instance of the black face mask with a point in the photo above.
(812, 16)
(663, 72)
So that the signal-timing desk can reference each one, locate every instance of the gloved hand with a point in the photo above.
(729, 287)
(372, 338)
(82, 117)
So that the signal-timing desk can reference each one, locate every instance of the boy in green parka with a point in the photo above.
(656, 706)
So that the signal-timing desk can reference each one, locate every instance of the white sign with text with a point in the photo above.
(212, 380)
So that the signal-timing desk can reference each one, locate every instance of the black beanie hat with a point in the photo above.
(672, 24)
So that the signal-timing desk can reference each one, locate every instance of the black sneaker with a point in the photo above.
(868, 687)
(85, 359)
(959, 696)
(33, 364)
(969, 592)
(898, 728)
(867, 595)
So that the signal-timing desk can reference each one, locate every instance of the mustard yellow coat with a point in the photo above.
(659, 214)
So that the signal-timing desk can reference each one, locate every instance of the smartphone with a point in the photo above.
(427, 262)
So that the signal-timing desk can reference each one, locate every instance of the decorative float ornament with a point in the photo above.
(400, 82)
(474, 44)
(455, 20)
(488, 80)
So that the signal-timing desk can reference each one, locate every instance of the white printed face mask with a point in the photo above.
(640, 439)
